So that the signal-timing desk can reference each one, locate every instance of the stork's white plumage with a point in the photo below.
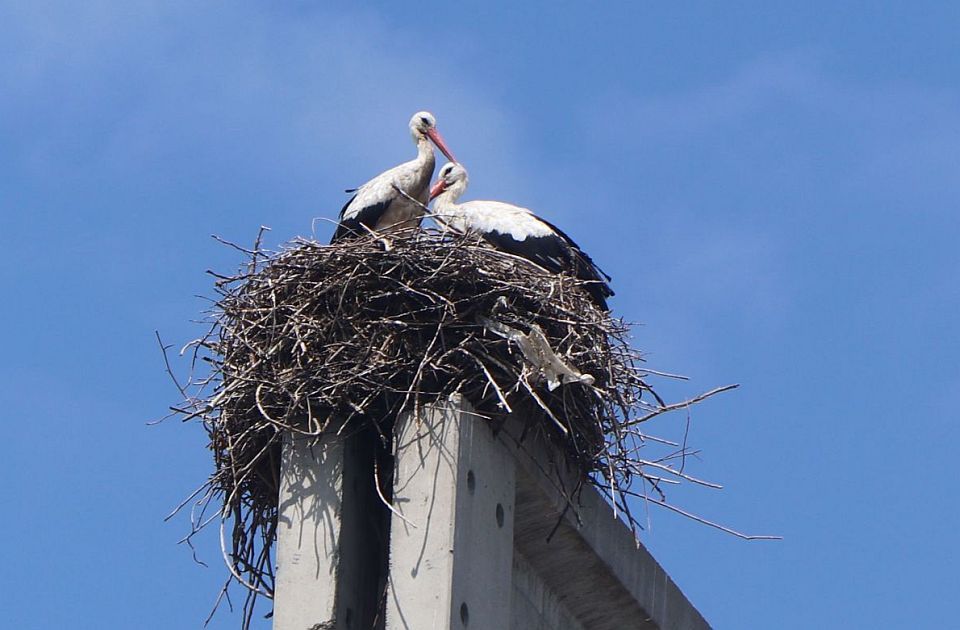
(378, 205)
(515, 230)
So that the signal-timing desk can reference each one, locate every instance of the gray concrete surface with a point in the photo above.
(308, 534)
(533, 604)
(587, 557)
(451, 547)
(331, 536)
(482, 538)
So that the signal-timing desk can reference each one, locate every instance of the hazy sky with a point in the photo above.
(774, 190)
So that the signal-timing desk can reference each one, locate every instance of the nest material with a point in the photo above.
(352, 334)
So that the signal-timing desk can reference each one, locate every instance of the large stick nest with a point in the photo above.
(317, 337)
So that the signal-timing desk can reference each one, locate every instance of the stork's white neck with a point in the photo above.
(448, 198)
(424, 148)
(445, 208)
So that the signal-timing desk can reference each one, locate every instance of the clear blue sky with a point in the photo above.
(774, 190)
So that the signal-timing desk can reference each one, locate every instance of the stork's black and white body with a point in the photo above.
(378, 205)
(516, 230)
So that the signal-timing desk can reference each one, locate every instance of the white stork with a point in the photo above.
(515, 230)
(378, 205)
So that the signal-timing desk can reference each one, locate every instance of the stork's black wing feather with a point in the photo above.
(549, 252)
(368, 217)
(595, 270)
(585, 269)
(343, 210)
(557, 253)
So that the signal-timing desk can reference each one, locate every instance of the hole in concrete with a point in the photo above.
(464, 613)
(499, 515)
(471, 481)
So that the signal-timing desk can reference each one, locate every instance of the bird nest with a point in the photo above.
(315, 338)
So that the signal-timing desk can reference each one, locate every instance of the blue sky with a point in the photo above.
(774, 190)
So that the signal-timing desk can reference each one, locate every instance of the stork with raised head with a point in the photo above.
(378, 205)
(517, 231)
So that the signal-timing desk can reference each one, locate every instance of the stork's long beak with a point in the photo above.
(437, 139)
(437, 189)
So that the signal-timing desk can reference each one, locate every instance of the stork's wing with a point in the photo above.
(370, 202)
(343, 210)
(557, 253)
(352, 219)
(586, 260)
(584, 268)
(546, 251)
(520, 232)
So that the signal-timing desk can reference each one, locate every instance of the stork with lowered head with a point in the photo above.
(379, 205)
(517, 231)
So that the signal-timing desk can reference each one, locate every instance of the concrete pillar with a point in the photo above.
(331, 535)
(308, 534)
(451, 546)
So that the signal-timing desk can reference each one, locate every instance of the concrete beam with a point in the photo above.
(586, 557)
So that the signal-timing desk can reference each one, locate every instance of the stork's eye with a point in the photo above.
(425, 120)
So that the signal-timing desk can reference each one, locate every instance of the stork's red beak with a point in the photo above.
(437, 139)
(437, 188)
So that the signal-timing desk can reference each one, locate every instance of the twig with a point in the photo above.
(704, 521)
(685, 403)
(383, 499)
